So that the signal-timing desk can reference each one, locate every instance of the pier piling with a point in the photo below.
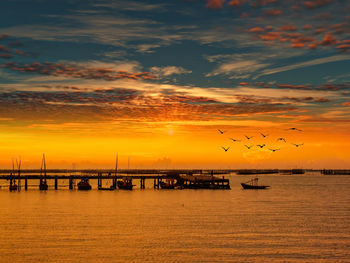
(26, 183)
(56, 183)
(142, 183)
(70, 183)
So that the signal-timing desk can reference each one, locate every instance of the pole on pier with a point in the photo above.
(142, 183)
(56, 183)
(158, 183)
(26, 183)
(155, 184)
(99, 180)
(70, 183)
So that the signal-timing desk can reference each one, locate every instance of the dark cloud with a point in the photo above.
(115, 104)
(77, 71)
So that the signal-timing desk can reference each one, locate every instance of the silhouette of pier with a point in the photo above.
(192, 179)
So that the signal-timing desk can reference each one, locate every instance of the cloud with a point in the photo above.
(238, 69)
(169, 70)
(215, 4)
(77, 71)
(312, 4)
(236, 3)
(273, 12)
(329, 40)
(314, 62)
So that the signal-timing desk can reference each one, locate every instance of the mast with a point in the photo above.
(44, 168)
(19, 172)
(116, 165)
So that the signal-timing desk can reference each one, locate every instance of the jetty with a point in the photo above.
(185, 179)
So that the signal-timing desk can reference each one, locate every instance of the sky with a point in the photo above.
(154, 81)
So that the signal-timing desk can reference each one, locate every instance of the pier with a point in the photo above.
(185, 179)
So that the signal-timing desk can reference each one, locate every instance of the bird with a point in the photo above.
(261, 146)
(249, 146)
(222, 132)
(273, 150)
(294, 129)
(264, 135)
(248, 137)
(235, 140)
(225, 149)
(281, 139)
(297, 145)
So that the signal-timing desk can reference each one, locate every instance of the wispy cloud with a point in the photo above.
(314, 62)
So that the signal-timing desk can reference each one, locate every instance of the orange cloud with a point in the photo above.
(273, 12)
(236, 3)
(329, 40)
(215, 4)
(256, 29)
(288, 28)
(312, 4)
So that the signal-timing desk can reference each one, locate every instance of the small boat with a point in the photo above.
(84, 184)
(125, 184)
(168, 184)
(43, 184)
(13, 187)
(111, 188)
(253, 184)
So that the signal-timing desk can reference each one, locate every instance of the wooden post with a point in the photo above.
(56, 183)
(99, 180)
(70, 183)
(142, 183)
(115, 182)
(26, 183)
(158, 183)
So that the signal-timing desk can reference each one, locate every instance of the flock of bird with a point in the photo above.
(262, 145)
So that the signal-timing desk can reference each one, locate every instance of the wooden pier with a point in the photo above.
(185, 179)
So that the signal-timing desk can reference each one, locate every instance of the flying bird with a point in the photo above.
(221, 132)
(261, 146)
(248, 137)
(225, 149)
(235, 140)
(294, 129)
(281, 139)
(249, 146)
(264, 135)
(273, 150)
(297, 145)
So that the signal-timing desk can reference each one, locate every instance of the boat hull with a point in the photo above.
(248, 186)
(43, 186)
(124, 186)
(84, 187)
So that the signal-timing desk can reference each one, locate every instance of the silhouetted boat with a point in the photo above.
(84, 184)
(13, 187)
(168, 184)
(125, 184)
(111, 188)
(298, 171)
(43, 184)
(253, 184)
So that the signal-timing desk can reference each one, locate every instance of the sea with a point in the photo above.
(301, 218)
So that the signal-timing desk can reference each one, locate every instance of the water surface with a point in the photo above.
(303, 218)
